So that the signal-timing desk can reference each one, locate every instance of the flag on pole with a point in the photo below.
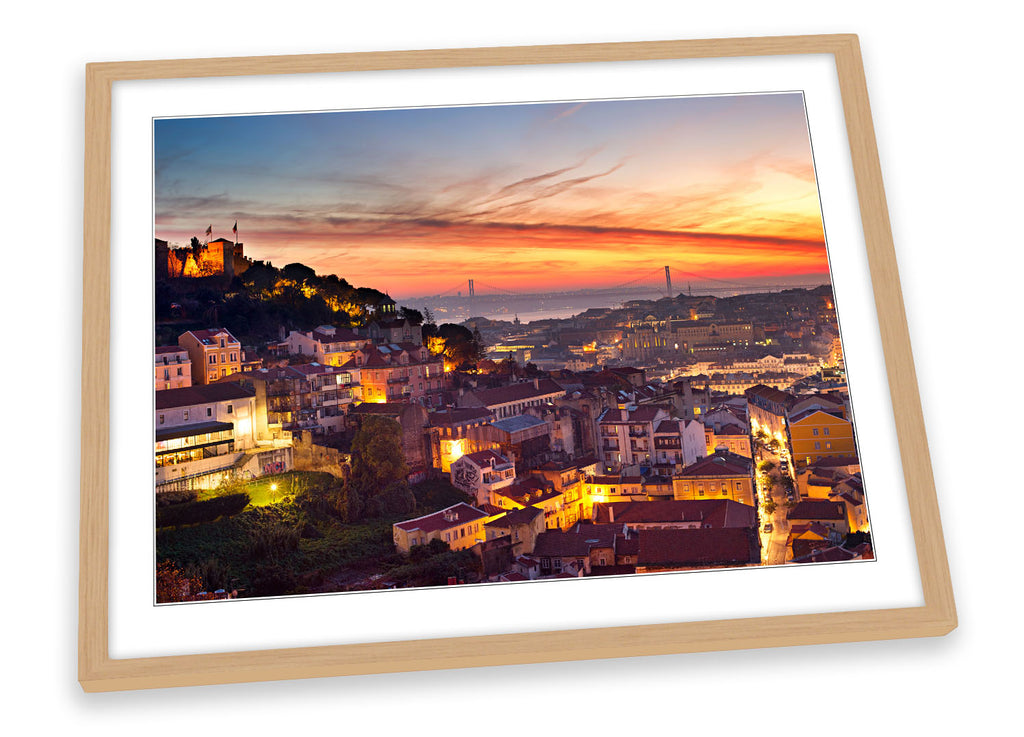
(235, 228)
(209, 230)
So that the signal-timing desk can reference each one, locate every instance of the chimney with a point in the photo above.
(536, 384)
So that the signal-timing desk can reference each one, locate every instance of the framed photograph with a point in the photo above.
(437, 359)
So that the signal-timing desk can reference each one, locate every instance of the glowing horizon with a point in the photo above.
(530, 197)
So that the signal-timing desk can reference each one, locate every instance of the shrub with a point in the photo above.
(272, 580)
(271, 540)
(165, 498)
(190, 513)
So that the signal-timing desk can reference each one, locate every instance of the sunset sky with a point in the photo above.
(527, 197)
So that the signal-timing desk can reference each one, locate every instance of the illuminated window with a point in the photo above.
(817, 446)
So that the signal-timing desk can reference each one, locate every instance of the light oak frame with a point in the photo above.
(98, 672)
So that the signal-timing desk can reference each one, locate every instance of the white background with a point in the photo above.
(943, 87)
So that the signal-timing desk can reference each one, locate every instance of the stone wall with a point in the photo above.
(308, 456)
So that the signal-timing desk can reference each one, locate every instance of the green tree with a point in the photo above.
(377, 458)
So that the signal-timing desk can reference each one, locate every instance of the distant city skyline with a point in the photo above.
(533, 197)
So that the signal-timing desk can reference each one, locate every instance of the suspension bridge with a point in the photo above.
(655, 283)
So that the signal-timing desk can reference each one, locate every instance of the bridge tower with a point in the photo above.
(668, 282)
(472, 289)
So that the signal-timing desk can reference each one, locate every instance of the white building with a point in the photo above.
(202, 433)
(481, 473)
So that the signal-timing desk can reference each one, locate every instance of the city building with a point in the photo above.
(481, 473)
(214, 353)
(310, 397)
(816, 434)
(512, 400)
(627, 436)
(449, 434)
(201, 433)
(723, 475)
(328, 345)
(399, 373)
(460, 526)
(173, 367)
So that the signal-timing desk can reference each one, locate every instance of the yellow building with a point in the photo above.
(723, 475)
(214, 353)
(816, 434)
(460, 526)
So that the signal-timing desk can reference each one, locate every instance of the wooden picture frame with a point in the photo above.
(98, 671)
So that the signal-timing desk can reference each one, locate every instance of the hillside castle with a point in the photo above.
(219, 257)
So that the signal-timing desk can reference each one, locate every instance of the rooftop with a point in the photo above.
(201, 394)
(457, 514)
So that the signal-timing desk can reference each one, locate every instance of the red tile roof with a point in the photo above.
(700, 547)
(201, 394)
(206, 336)
(461, 512)
(814, 509)
(486, 458)
(714, 512)
(721, 464)
(516, 392)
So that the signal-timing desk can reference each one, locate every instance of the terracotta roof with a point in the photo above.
(201, 394)
(516, 517)
(462, 513)
(558, 544)
(512, 576)
(645, 413)
(486, 458)
(516, 392)
(722, 464)
(772, 395)
(627, 545)
(206, 336)
(700, 547)
(518, 423)
(667, 426)
(458, 416)
(834, 554)
(818, 509)
(714, 512)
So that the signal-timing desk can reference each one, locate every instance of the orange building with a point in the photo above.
(816, 434)
(214, 353)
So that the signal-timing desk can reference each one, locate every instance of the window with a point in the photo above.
(231, 409)
(815, 431)
(209, 411)
(161, 420)
(213, 358)
(828, 446)
(234, 356)
(826, 430)
(167, 374)
(167, 385)
(179, 371)
(221, 342)
(184, 414)
(817, 446)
